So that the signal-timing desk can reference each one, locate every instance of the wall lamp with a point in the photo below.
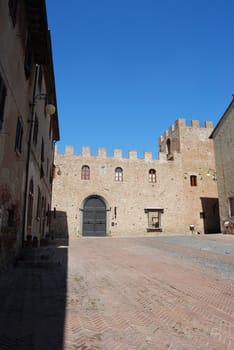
(212, 173)
(49, 107)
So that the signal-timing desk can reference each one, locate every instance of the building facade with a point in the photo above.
(27, 132)
(223, 136)
(101, 195)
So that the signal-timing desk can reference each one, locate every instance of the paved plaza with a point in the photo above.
(145, 293)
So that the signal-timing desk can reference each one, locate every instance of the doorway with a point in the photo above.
(94, 217)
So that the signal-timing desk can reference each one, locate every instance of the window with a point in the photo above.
(2, 100)
(19, 135)
(12, 5)
(231, 206)
(39, 204)
(85, 172)
(10, 221)
(50, 129)
(28, 58)
(30, 207)
(154, 219)
(39, 81)
(42, 151)
(152, 175)
(193, 180)
(35, 131)
(119, 174)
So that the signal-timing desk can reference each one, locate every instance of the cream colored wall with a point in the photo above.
(192, 155)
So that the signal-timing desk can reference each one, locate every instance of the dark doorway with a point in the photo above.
(210, 215)
(94, 217)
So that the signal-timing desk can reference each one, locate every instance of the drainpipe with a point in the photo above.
(31, 121)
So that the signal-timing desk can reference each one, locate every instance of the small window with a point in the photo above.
(193, 180)
(152, 175)
(28, 58)
(12, 5)
(35, 131)
(119, 174)
(19, 136)
(231, 206)
(2, 100)
(85, 172)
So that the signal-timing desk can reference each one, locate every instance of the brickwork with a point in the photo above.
(185, 151)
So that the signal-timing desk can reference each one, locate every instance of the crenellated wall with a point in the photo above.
(102, 153)
(131, 201)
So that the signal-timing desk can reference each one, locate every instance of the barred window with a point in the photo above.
(119, 174)
(85, 172)
(231, 206)
(2, 100)
(152, 175)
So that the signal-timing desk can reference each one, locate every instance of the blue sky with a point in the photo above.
(125, 70)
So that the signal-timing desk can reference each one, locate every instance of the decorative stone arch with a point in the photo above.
(94, 216)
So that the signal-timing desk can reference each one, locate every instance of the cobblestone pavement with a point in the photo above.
(162, 292)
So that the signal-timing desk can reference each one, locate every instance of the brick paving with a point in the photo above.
(122, 293)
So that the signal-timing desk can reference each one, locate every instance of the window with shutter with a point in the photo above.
(193, 180)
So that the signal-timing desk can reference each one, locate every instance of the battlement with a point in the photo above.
(181, 124)
(102, 153)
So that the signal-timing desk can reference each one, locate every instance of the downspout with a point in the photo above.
(31, 121)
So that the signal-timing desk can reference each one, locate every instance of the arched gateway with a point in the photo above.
(94, 217)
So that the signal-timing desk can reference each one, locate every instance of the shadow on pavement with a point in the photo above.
(33, 299)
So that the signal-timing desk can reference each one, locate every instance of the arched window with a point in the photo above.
(85, 172)
(118, 174)
(152, 175)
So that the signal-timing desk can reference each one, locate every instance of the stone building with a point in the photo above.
(27, 133)
(98, 195)
(223, 136)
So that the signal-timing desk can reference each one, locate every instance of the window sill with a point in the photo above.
(154, 229)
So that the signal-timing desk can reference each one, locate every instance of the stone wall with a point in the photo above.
(128, 202)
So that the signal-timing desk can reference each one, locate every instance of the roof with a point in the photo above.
(42, 50)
